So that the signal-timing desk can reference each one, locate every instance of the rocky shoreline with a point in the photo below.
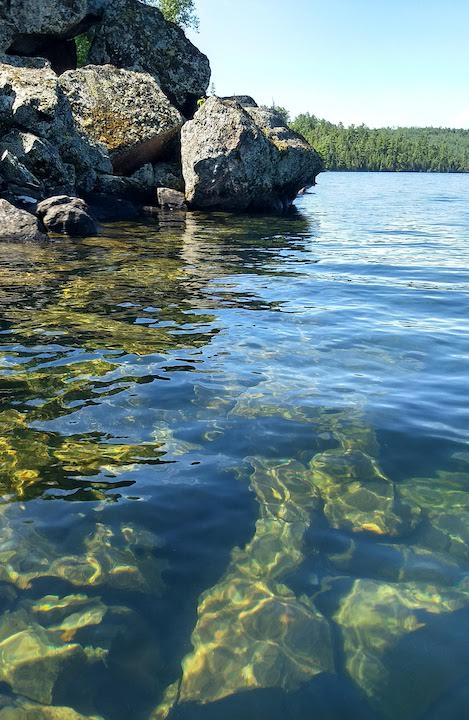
(132, 129)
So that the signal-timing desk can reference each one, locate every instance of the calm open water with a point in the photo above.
(234, 463)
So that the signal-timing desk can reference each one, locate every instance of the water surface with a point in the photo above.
(234, 463)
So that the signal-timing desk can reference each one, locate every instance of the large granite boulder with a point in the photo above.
(43, 134)
(7, 31)
(123, 111)
(296, 163)
(18, 225)
(28, 23)
(243, 158)
(134, 35)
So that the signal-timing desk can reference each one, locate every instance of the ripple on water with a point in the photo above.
(233, 462)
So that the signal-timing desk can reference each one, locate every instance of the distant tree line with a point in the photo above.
(386, 149)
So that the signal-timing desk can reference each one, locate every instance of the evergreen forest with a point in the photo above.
(410, 149)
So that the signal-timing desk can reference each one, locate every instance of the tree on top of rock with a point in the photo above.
(181, 12)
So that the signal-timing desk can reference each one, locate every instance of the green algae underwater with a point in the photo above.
(233, 483)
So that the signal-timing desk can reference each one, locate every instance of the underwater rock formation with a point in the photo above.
(444, 500)
(27, 710)
(374, 618)
(252, 631)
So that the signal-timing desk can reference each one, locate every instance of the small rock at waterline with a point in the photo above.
(18, 225)
(67, 216)
(172, 199)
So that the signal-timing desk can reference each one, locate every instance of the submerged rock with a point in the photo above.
(18, 225)
(33, 658)
(240, 159)
(388, 630)
(134, 35)
(252, 630)
(444, 500)
(125, 560)
(67, 216)
(124, 111)
(27, 710)
(358, 496)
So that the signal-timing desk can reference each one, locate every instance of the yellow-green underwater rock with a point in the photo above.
(93, 331)
(444, 500)
(252, 630)
(395, 563)
(32, 658)
(124, 560)
(358, 496)
(374, 618)
(27, 710)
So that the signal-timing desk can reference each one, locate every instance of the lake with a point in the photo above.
(234, 463)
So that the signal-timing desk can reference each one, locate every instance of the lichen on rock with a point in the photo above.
(233, 161)
(124, 111)
(134, 35)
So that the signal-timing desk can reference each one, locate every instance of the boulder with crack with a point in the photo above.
(239, 158)
(125, 112)
(134, 35)
(43, 129)
(41, 159)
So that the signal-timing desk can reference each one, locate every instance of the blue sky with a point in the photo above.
(381, 62)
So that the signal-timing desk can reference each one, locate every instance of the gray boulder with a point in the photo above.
(296, 163)
(42, 160)
(66, 215)
(17, 178)
(139, 185)
(240, 159)
(134, 35)
(169, 175)
(170, 199)
(35, 105)
(243, 100)
(28, 22)
(7, 33)
(124, 112)
(18, 225)
(6, 108)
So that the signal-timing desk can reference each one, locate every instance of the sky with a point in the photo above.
(378, 62)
